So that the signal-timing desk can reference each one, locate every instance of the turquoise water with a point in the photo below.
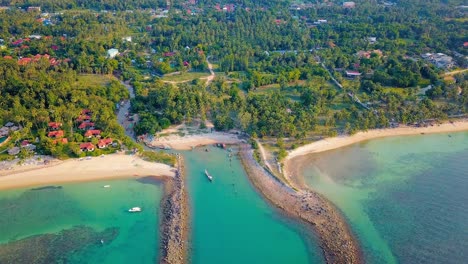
(26, 213)
(405, 197)
(232, 223)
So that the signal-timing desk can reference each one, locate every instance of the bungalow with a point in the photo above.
(25, 143)
(91, 133)
(83, 118)
(4, 131)
(61, 141)
(169, 54)
(54, 125)
(349, 4)
(34, 9)
(14, 151)
(112, 53)
(352, 74)
(86, 112)
(56, 134)
(86, 125)
(87, 147)
(104, 143)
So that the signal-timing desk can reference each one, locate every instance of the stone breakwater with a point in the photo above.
(336, 240)
(175, 219)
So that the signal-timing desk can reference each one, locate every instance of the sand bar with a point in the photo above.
(341, 141)
(87, 169)
(191, 141)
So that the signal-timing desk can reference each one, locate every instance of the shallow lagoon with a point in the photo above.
(405, 197)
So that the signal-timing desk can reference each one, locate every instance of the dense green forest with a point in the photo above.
(283, 68)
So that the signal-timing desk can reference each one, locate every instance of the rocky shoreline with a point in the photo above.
(336, 240)
(175, 219)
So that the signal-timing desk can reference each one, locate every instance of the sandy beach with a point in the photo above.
(86, 169)
(341, 141)
(191, 141)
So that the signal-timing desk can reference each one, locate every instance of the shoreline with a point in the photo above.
(337, 242)
(342, 141)
(115, 166)
(189, 142)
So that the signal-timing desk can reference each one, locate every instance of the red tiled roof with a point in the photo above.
(8, 57)
(55, 124)
(104, 142)
(56, 134)
(25, 143)
(85, 125)
(63, 141)
(90, 133)
(87, 146)
(83, 117)
(86, 112)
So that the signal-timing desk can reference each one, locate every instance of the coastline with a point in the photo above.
(342, 141)
(74, 170)
(336, 240)
(191, 141)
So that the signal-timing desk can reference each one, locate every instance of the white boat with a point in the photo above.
(134, 209)
(106, 186)
(208, 175)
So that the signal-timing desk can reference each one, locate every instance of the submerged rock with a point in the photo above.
(54, 248)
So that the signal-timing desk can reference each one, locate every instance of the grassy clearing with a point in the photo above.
(186, 76)
(396, 90)
(93, 80)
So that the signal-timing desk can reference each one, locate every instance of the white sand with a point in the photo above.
(74, 170)
(341, 141)
(187, 142)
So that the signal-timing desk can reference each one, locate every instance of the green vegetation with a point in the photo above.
(160, 157)
(185, 76)
(281, 67)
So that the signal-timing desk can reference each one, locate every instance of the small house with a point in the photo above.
(83, 118)
(112, 53)
(54, 125)
(89, 147)
(349, 4)
(56, 134)
(14, 151)
(352, 74)
(86, 125)
(104, 143)
(61, 141)
(86, 112)
(92, 133)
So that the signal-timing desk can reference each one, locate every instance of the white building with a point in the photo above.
(112, 53)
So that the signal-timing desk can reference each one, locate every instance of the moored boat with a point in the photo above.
(134, 209)
(208, 175)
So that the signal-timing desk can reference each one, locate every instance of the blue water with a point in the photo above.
(26, 213)
(405, 197)
(232, 223)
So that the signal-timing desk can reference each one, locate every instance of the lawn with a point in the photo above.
(184, 77)
(93, 80)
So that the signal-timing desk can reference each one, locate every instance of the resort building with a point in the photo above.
(62, 141)
(352, 74)
(104, 143)
(89, 147)
(112, 53)
(349, 4)
(54, 125)
(56, 134)
(92, 133)
(440, 60)
(86, 125)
